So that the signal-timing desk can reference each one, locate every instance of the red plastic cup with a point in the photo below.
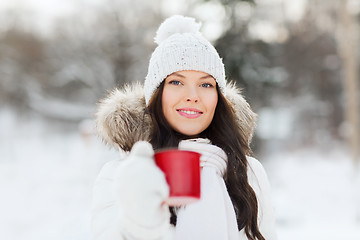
(182, 173)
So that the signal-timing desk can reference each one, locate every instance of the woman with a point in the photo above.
(185, 103)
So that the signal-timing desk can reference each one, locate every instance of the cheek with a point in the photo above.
(211, 102)
(168, 100)
(165, 99)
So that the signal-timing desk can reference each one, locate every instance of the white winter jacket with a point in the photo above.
(106, 218)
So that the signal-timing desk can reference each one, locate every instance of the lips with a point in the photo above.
(189, 112)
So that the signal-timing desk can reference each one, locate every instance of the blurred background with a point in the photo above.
(296, 61)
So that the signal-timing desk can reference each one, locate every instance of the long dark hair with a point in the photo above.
(225, 133)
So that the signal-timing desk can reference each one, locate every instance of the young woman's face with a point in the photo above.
(189, 100)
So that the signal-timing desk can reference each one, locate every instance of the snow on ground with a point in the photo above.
(316, 195)
(46, 178)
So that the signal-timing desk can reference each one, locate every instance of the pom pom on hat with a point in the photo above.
(176, 24)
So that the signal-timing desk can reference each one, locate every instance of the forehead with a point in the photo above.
(192, 74)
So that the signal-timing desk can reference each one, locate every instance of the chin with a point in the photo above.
(190, 133)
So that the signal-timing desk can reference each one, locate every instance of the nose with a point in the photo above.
(189, 100)
(192, 95)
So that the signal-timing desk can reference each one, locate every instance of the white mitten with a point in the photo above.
(141, 189)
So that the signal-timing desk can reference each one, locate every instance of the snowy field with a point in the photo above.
(316, 195)
(46, 178)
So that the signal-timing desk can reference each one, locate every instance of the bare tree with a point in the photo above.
(348, 39)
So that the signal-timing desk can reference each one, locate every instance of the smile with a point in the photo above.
(189, 113)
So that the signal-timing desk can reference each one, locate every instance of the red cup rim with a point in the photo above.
(167, 150)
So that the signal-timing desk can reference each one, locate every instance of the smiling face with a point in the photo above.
(189, 100)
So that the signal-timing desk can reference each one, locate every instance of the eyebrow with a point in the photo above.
(182, 76)
(207, 76)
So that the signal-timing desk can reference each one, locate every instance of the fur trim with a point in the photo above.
(121, 120)
(246, 118)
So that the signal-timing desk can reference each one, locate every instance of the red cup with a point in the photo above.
(182, 173)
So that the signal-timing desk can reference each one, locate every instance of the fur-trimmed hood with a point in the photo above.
(121, 120)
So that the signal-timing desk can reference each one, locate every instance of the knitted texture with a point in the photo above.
(181, 47)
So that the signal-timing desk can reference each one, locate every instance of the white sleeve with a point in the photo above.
(105, 215)
(258, 180)
(107, 219)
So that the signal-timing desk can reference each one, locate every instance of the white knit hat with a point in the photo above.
(181, 47)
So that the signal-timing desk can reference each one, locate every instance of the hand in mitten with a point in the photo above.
(141, 189)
